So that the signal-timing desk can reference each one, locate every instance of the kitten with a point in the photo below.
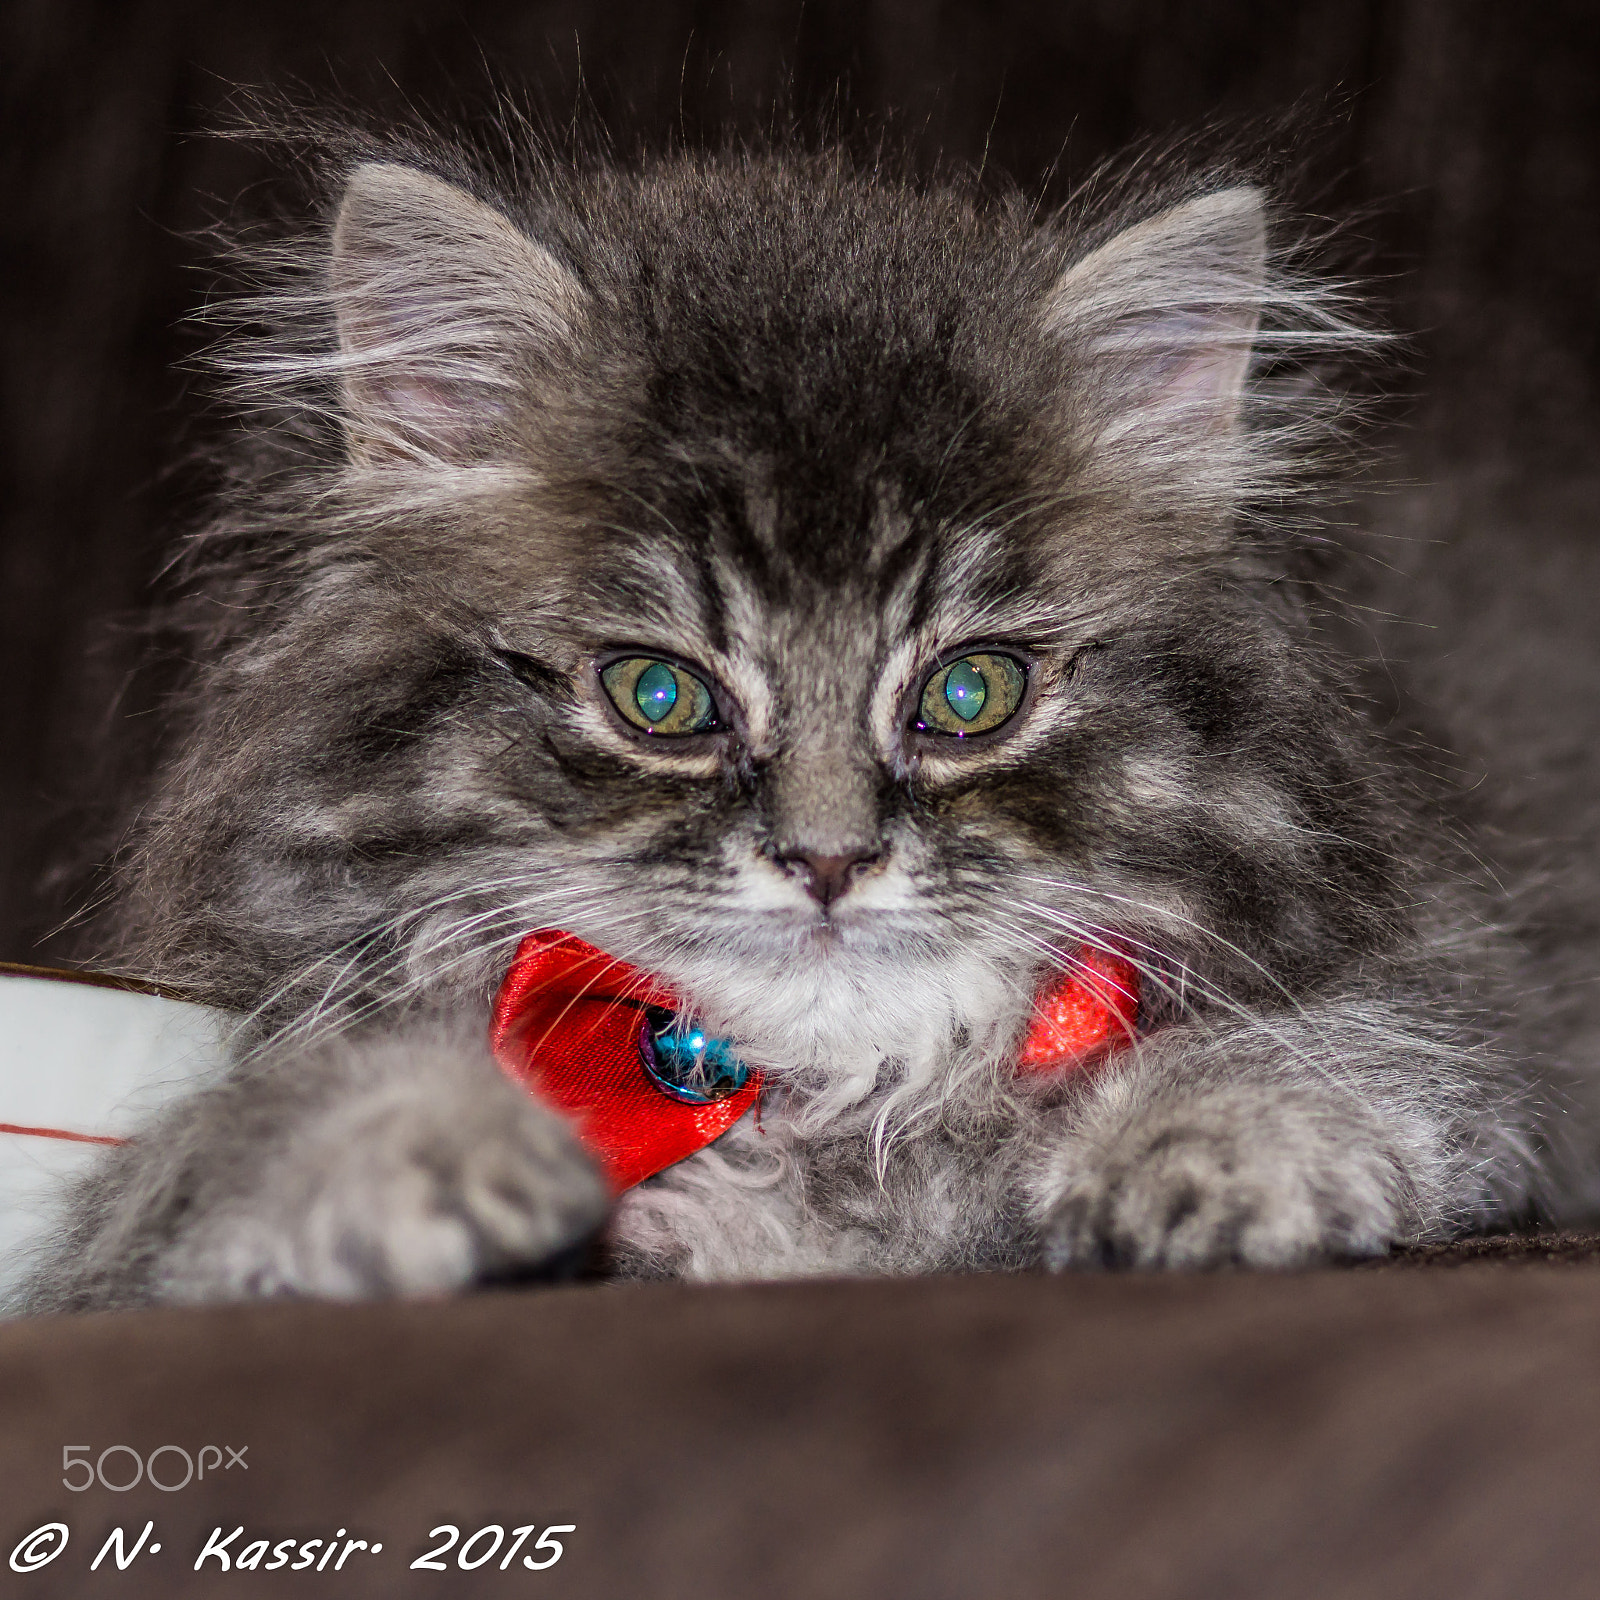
(808, 437)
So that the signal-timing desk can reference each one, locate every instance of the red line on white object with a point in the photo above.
(60, 1133)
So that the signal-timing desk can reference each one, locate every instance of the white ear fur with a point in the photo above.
(445, 313)
(1169, 309)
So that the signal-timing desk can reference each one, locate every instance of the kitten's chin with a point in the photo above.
(823, 939)
(831, 1001)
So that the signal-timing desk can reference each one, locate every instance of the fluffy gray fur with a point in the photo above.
(813, 430)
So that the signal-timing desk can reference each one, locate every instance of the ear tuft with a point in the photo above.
(1168, 312)
(447, 315)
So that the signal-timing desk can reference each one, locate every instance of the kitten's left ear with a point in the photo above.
(1167, 313)
(449, 317)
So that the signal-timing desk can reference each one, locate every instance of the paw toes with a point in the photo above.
(1192, 1199)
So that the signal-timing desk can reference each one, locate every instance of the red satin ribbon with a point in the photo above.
(566, 1026)
(1086, 1014)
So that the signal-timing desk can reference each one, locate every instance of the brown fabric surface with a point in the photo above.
(1569, 1248)
(1335, 1433)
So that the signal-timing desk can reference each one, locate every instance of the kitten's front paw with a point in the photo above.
(402, 1196)
(1257, 1179)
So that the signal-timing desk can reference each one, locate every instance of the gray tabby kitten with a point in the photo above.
(800, 441)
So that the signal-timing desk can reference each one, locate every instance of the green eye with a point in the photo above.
(658, 697)
(971, 695)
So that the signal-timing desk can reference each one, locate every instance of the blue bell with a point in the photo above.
(684, 1063)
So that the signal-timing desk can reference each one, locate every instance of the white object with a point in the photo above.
(84, 1060)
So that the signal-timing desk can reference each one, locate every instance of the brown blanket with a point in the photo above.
(1340, 1433)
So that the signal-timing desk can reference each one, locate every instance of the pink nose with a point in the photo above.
(827, 877)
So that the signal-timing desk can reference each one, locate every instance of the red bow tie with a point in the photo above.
(611, 1047)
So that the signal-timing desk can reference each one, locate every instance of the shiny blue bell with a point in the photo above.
(684, 1063)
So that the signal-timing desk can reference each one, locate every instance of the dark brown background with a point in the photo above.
(1474, 126)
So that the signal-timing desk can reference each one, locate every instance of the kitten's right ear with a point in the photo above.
(448, 316)
(1167, 311)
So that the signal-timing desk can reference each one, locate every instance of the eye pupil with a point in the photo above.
(974, 694)
(965, 690)
(656, 692)
(658, 697)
